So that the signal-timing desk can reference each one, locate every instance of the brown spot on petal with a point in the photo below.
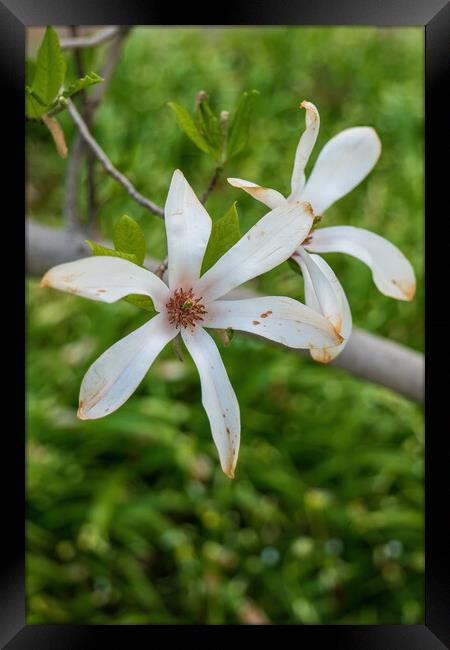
(308, 208)
(256, 322)
(266, 313)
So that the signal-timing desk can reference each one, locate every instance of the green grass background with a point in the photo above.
(129, 518)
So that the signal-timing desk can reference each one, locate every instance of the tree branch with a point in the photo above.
(366, 355)
(107, 164)
(211, 186)
(90, 105)
(101, 36)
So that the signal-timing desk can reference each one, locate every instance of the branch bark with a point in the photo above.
(90, 105)
(366, 355)
(211, 185)
(101, 36)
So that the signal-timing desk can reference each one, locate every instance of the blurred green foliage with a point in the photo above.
(130, 519)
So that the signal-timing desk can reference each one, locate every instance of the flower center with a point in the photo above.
(184, 309)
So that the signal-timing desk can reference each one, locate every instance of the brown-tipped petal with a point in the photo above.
(106, 279)
(304, 149)
(116, 374)
(218, 396)
(392, 273)
(277, 318)
(266, 195)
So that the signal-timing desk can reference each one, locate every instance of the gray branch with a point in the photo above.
(97, 38)
(91, 103)
(366, 355)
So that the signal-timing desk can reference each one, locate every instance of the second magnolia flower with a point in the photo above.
(190, 303)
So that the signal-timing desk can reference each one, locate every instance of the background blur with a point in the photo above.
(130, 519)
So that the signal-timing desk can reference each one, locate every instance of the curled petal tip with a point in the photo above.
(81, 415)
(229, 472)
(409, 292)
(45, 281)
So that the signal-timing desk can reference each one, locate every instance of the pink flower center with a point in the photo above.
(184, 309)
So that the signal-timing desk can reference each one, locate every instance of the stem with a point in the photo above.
(97, 38)
(212, 184)
(89, 107)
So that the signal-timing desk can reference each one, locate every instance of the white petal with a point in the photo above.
(271, 241)
(218, 397)
(188, 226)
(116, 374)
(342, 164)
(325, 299)
(276, 318)
(106, 279)
(269, 197)
(304, 148)
(391, 271)
(313, 290)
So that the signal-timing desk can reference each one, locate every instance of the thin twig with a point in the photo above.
(109, 65)
(101, 36)
(107, 164)
(212, 184)
(89, 107)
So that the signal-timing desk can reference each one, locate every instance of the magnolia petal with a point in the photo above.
(277, 318)
(106, 279)
(325, 300)
(116, 374)
(341, 165)
(391, 271)
(268, 243)
(218, 397)
(269, 197)
(326, 355)
(188, 226)
(304, 148)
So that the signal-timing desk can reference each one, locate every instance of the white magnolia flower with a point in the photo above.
(191, 303)
(342, 164)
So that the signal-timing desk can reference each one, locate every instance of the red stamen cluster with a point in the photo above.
(184, 309)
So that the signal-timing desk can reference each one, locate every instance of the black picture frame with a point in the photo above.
(434, 16)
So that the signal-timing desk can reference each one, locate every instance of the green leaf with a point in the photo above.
(187, 124)
(240, 125)
(33, 107)
(209, 126)
(128, 237)
(98, 249)
(144, 302)
(50, 68)
(89, 79)
(225, 233)
(30, 69)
